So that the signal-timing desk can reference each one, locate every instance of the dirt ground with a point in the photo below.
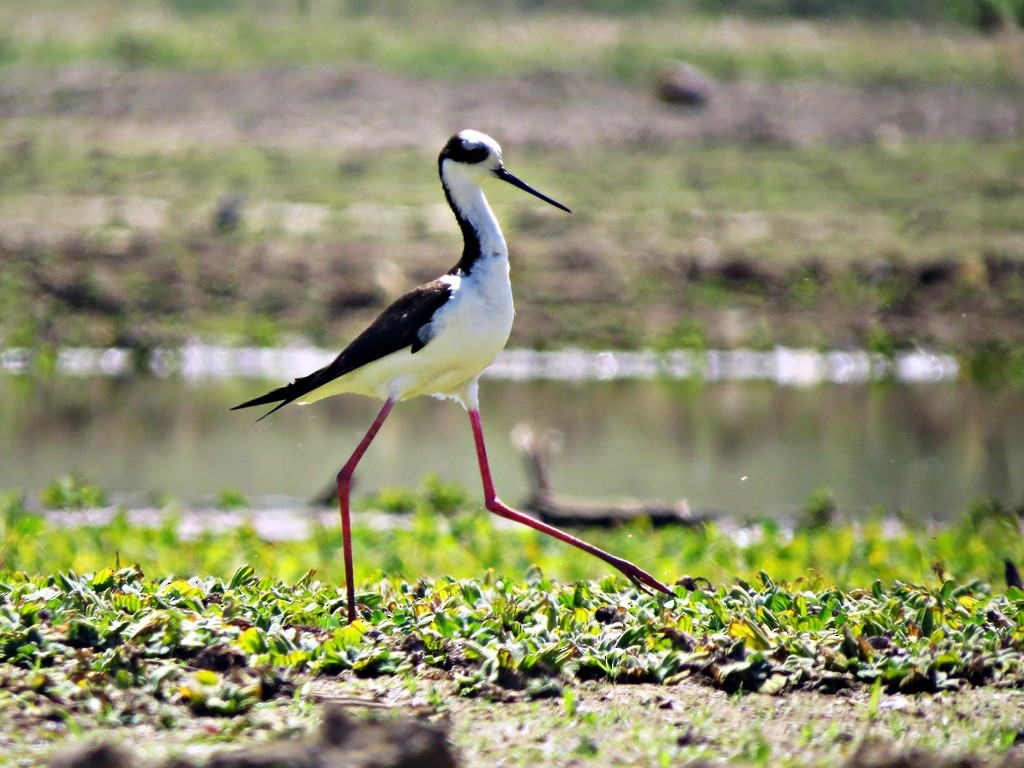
(363, 110)
(387, 724)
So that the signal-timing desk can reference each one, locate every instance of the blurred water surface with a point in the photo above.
(741, 448)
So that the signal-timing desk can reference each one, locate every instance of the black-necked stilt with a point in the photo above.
(438, 338)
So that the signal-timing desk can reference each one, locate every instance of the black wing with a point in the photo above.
(401, 325)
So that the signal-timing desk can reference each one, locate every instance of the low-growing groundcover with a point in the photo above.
(240, 652)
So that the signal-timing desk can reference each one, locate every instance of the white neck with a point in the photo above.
(480, 230)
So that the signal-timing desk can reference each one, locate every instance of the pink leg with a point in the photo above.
(641, 578)
(344, 489)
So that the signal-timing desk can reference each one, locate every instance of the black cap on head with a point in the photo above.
(465, 150)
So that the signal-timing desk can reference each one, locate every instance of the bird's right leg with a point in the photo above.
(643, 580)
(344, 490)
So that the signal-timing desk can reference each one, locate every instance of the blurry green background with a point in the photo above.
(253, 172)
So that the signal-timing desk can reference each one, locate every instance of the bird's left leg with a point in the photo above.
(344, 490)
(634, 573)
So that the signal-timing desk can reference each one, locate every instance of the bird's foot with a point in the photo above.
(643, 580)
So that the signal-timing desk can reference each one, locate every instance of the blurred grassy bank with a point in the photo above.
(257, 172)
(863, 246)
(901, 42)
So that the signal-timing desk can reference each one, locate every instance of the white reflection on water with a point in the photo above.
(783, 366)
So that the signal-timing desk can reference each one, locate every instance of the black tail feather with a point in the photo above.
(282, 396)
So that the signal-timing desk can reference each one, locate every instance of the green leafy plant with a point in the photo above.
(232, 498)
(72, 492)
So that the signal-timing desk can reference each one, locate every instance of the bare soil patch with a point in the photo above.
(382, 723)
(358, 110)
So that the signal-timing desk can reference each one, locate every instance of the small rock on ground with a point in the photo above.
(343, 742)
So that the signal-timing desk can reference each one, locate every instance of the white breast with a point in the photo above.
(468, 332)
(465, 335)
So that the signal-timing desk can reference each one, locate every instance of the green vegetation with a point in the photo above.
(864, 180)
(71, 492)
(448, 40)
(820, 609)
(231, 498)
(450, 536)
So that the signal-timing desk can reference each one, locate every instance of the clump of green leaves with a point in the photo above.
(231, 498)
(72, 492)
(438, 496)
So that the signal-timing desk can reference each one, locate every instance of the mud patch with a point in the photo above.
(361, 110)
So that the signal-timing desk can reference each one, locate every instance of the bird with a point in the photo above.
(437, 339)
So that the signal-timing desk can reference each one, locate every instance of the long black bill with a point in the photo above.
(504, 175)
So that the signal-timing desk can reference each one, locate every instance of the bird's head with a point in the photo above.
(473, 156)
